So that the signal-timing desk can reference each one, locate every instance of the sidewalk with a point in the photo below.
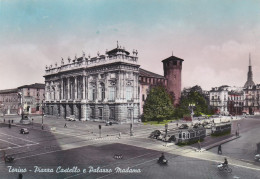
(221, 142)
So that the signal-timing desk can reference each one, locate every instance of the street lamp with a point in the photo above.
(132, 122)
(191, 106)
(238, 126)
(42, 114)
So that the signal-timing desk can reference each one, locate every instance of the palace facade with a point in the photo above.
(104, 87)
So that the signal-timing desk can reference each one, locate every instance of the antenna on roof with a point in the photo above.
(117, 43)
(249, 59)
(172, 53)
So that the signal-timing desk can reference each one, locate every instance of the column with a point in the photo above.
(68, 88)
(61, 90)
(76, 87)
(84, 87)
(120, 85)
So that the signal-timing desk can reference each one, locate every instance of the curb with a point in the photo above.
(221, 142)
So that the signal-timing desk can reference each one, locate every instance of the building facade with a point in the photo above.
(31, 98)
(235, 102)
(102, 88)
(9, 101)
(219, 99)
(147, 80)
(24, 99)
(252, 100)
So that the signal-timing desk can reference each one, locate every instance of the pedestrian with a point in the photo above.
(219, 149)
(20, 176)
(119, 136)
(42, 126)
(236, 133)
(4, 120)
(199, 145)
(65, 126)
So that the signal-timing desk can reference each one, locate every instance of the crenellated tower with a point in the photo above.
(172, 67)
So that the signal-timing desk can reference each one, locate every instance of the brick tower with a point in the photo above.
(172, 67)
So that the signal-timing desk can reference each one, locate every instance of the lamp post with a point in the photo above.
(42, 114)
(132, 123)
(191, 106)
(238, 126)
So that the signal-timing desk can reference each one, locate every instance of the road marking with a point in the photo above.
(111, 164)
(19, 138)
(53, 151)
(10, 148)
(10, 142)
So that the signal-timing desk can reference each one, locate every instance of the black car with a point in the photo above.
(184, 126)
(155, 134)
(197, 125)
(24, 131)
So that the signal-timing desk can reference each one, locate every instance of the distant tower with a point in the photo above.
(172, 67)
(249, 81)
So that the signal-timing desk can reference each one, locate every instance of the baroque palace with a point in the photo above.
(110, 87)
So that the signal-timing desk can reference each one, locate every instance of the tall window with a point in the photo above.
(111, 113)
(100, 115)
(129, 113)
(129, 93)
(112, 93)
(92, 112)
(92, 92)
(102, 91)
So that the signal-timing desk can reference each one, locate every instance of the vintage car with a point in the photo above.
(24, 131)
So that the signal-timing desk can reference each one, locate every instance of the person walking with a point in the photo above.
(219, 149)
(20, 176)
(199, 144)
(65, 126)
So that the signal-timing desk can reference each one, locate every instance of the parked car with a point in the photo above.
(161, 136)
(109, 123)
(196, 125)
(184, 126)
(169, 138)
(155, 134)
(205, 123)
(208, 126)
(24, 131)
(70, 119)
(257, 157)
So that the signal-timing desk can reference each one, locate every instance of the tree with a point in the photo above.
(158, 105)
(196, 96)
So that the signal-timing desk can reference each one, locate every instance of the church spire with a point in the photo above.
(249, 81)
(249, 59)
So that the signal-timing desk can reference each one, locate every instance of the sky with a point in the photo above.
(214, 37)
